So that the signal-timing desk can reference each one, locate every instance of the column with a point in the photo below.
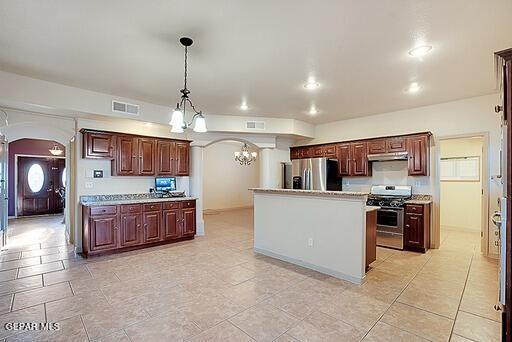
(196, 184)
(265, 167)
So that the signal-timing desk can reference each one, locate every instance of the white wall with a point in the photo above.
(226, 182)
(468, 116)
(461, 201)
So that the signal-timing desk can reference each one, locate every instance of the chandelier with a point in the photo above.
(56, 150)
(178, 122)
(245, 157)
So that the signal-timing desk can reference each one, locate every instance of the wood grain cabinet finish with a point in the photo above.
(113, 228)
(418, 150)
(344, 159)
(352, 159)
(397, 144)
(327, 151)
(371, 237)
(134, 155)
(98, 145)
(377, 146)
(417, 227)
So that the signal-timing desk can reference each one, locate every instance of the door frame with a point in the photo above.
(16, 174)
(485, 205)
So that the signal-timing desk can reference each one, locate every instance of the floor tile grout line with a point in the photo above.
(479, 316)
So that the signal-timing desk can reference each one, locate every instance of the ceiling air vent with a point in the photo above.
(125, 108)
(255, 125)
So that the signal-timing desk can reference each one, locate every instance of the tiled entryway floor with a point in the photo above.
(216, 289)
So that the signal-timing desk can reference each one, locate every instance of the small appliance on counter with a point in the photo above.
(165, 187)
(313, 174)
(390, 217)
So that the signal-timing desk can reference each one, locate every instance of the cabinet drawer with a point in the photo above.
(396, 145)
(152, 207)
(330, 150)
(171, 205)
(131, 208)
(188, 204)
(104, 210)
(413, 209)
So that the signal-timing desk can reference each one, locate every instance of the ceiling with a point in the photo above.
(262, 51)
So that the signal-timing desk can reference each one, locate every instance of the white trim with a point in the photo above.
(484, 245)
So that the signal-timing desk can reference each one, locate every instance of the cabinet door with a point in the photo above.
(98, 145)
(398, 144)
(360, 159)
(146, 154)
(418, 156)
(130, 234)
(165, 155)
(103, 232)
(182, 158)
(294, 153)
(329, 151)
(189, 222)
(344, 160)
(413, 232)
(377, 146)
(306, 152)
(171, 224)
(152, 224)
(126, 159)
(318, 151)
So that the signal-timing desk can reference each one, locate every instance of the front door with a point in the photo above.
(40, 186)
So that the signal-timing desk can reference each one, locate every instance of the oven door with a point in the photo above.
(390, 227)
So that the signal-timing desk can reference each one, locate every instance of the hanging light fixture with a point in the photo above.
(178, 122)
(245, 157)
(56, 150)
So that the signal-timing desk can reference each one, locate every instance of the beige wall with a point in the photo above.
(226, 182)
(461, 202)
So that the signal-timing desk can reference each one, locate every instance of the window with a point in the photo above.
(460, 169)
(35, 178)
(63, 177)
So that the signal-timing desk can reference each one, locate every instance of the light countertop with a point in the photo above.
(317, 193)
(371, 208)
(135, 201)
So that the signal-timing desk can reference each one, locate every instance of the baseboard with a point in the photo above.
(227, 209)
(301, 263)
(460, 229)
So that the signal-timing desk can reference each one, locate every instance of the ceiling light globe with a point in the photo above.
(420, 51)
(200, 125)
(177, 129)
(177, 118)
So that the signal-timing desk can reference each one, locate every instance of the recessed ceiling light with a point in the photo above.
(420, 51)
(311, 84)
(414, 87)
(244, 106)
(313, 110)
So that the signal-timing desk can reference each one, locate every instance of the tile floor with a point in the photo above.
(215, 288)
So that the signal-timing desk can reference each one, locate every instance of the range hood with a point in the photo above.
(388, 156)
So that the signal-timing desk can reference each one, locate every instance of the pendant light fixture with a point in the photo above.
(178, 122)
(56, 150)
(245, 157)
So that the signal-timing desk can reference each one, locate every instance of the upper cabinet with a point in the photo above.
(353, 155)
(98, 145)
(133, 155)
(353, 159)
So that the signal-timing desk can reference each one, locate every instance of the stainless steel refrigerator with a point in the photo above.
(312, 174)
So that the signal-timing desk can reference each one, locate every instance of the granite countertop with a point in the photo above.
(371, 208)
(318, 193)
(95, 200)
(419, 199)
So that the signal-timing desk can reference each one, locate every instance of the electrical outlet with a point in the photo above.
(88, 185)
(310, 242)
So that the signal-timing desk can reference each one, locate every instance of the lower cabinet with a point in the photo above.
(417, 227)
(117, 227)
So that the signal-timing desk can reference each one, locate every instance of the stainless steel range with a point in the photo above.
(390, 217)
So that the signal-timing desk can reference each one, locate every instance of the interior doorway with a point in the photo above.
(463, 189)
(41, 185)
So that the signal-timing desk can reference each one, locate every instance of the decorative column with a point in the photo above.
(196, 184)
(265, 167)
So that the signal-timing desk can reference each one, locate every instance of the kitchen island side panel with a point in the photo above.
(327, 234)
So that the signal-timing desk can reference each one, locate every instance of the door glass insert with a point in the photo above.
(35, 178)
(63, 177)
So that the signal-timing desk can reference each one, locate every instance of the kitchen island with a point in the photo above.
(321, 230)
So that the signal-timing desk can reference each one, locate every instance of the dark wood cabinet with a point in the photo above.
(146, 154)
(130, 230)
(103, 232)
(165, 157)
(151, 226)
(171, 224)
(126, 161)
(417, 227)
(98, 145)
(377, 146)
(371, 237)
(397, 144)
(182, 153)
(352, 159)
(121, 227)
(327, 151)
(418, 149)
(189, 222)
(134, 155)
